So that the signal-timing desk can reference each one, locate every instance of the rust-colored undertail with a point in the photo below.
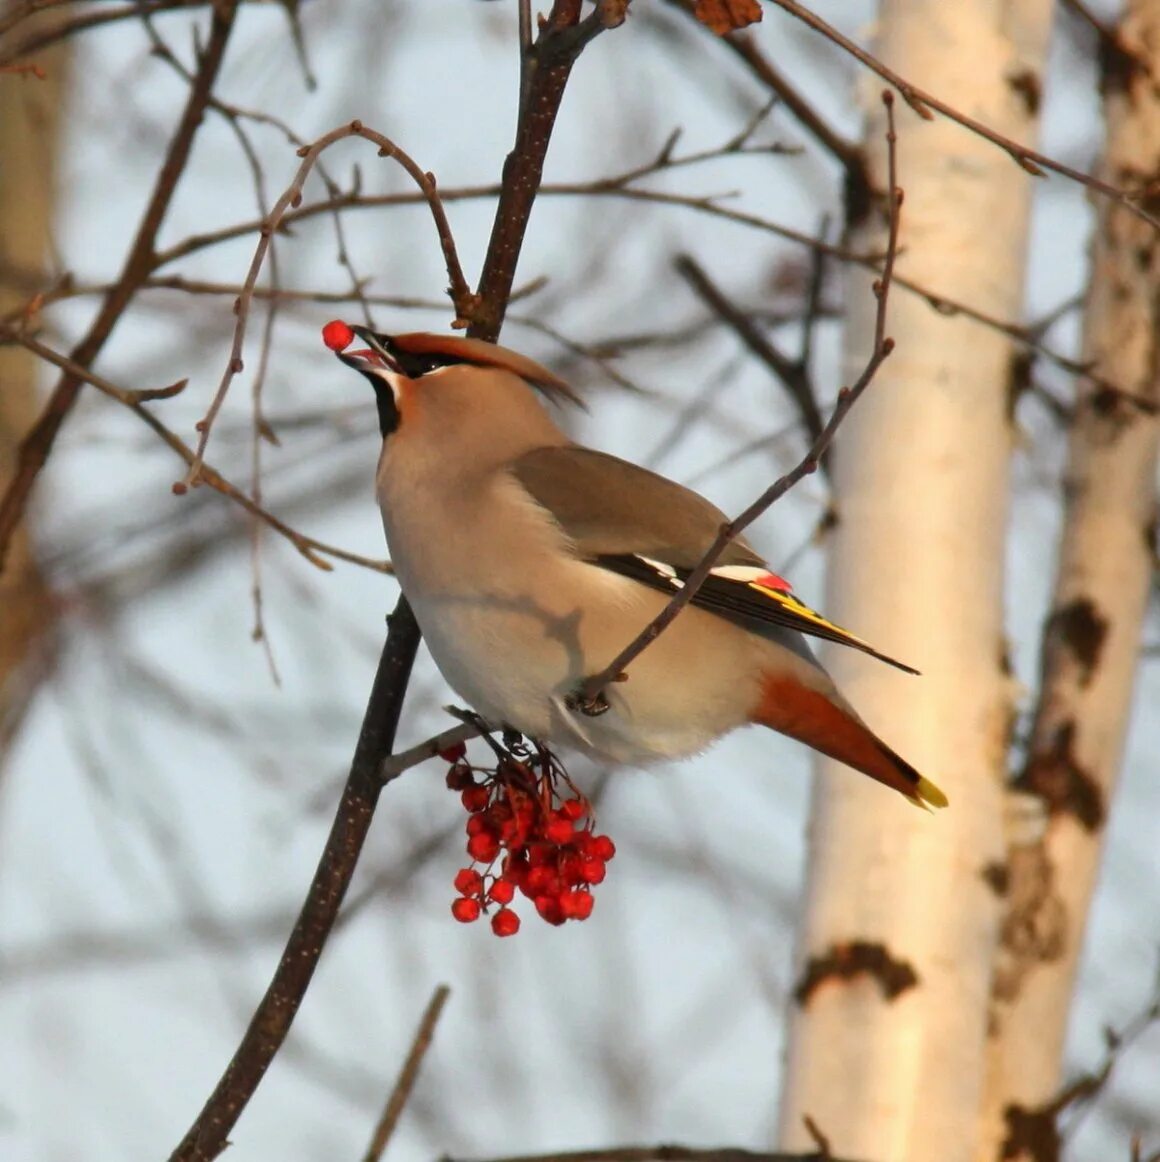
(810, 717)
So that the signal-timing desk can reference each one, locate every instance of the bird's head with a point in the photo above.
(397, 366)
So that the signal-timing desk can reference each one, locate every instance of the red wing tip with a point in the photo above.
(773, 581)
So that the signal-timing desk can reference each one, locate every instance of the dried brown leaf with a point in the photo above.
(722, 16)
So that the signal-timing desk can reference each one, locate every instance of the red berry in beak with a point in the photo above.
(337, 335)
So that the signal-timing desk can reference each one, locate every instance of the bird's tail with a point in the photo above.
(811, 717)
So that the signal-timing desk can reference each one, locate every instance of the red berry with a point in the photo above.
(337, 335)
(502, 891)
(542, 880)
(505, 922)
(592, 870)
(602, 847)
(459, 777)
(515, 869)
(498, 814)
(540, 855)
(465, 910)
(513, 833)
(484, 848)
(475, 798)
(577, 905)
(549, 908)
(558, 831)
(584, 904)
(573, 808)
(453, 753)
(468, 882)
(571, 868)
(477, 825)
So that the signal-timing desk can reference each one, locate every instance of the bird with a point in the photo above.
(531, 561)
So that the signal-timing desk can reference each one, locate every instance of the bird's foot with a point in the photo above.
(592, 706)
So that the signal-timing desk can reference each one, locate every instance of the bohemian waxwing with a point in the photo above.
(530, 562)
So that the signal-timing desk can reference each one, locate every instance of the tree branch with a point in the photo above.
(460, 293)
(793, 373)
(544, 73)
(408, 1075)
(268, 1028)
(313, 550)
(139, 264)
(371, 767)
(589, 698)
(665, 1153)
(922, 102)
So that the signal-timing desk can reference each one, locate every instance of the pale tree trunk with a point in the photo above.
(29, 137)
(1092, 639)
(888, 1033)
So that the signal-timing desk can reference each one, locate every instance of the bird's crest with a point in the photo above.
(415, 353)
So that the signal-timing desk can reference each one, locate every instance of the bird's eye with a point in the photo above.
(415, 366)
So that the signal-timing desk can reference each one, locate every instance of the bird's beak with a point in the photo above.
(374, 357)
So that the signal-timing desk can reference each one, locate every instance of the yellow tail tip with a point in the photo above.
(928, 796)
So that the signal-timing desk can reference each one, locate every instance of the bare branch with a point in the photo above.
(408, 1075)
(273, 1017)
(394, 765)
(922, 102)
(268, 1028)
(545, 67)
(617, 186)
(43, 37)
(663, 1153)
(793, 373)
(139, 264)
(589, 698)
(847, 153)
(460, 292)
(313, 550)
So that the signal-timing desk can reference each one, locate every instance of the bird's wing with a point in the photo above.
(609, 507)
(633, 522)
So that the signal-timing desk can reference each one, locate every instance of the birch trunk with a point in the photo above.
(888, 1034)
(29, 134)
(1092, 638)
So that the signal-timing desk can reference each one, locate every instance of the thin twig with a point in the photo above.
(45, 37)
(461, 295)
(615, 187)
(394, 765)
(793, 373)
(922, 102)
(589, 698)
(313, 550)
(663, 1153)
(139, 263)
(354, 199)
(408, 1075)
(847, 153)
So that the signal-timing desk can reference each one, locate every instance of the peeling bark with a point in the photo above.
(1092, 639)
(921, 481)
(844, 962)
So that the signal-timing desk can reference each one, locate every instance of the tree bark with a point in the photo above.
(888, 1034)
(1092, 637)
(30, 123)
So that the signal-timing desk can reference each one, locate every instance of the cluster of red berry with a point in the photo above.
(528, 837)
